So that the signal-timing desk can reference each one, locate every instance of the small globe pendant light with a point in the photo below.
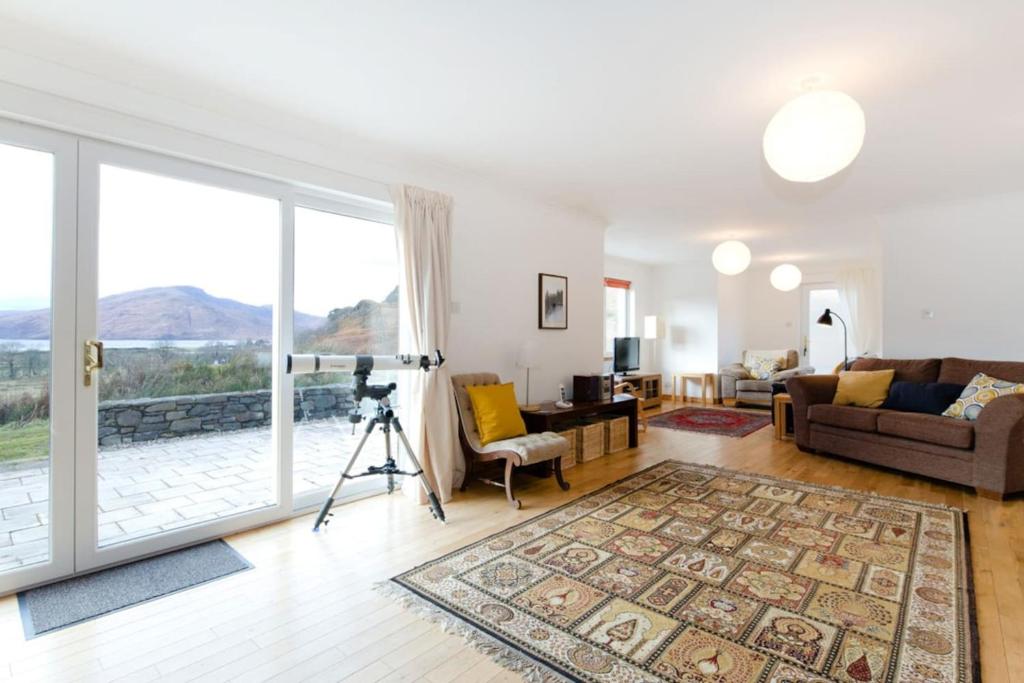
(731, 257)
(786, 277)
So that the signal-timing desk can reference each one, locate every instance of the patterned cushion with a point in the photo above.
(760, 367)
(982, 390)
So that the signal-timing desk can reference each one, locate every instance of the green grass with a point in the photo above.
(22, 442)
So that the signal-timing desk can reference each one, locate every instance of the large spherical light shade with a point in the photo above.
(731, 257)
(814, 136)
(786, 277)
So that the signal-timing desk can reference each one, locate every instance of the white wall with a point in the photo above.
(503, 238)
(963, 262)
(500, 246)
(689, 302)
(755, 315)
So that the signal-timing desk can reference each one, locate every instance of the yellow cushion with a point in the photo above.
(496, 412)
(867, 389)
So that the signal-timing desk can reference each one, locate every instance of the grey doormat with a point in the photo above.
(78, 599)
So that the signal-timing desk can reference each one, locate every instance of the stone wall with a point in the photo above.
(123, 422)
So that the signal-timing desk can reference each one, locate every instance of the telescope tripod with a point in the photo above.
(386, 419)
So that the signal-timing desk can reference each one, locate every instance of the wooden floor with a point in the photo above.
(306, 612)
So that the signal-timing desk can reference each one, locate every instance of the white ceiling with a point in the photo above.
(648, 114)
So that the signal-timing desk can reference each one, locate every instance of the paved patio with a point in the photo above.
(163, 485)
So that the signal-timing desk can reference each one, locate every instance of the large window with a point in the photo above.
(618, 312)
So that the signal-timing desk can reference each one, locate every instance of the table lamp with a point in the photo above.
(527, 358)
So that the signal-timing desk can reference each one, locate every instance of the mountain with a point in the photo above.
(368, 327)
(171, 313)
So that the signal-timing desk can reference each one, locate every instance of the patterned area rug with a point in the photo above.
(692, 573)
(711, 421)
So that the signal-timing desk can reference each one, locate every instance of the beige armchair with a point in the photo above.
(739, 387)
(518, 451)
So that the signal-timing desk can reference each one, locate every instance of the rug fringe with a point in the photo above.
(502, 654)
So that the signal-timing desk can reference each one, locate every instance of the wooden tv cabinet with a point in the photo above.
(650, 385)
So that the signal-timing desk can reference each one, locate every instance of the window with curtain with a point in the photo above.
(618, 314)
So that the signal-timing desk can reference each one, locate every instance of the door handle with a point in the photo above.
(93, 360)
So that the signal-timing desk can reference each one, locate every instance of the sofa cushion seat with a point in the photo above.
(847, 417)
(753, 385)
(942, 431)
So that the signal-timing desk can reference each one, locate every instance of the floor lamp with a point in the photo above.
(826, 320)
(652, 331)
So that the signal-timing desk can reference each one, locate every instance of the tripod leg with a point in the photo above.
(387, 457)
(326, 508)
(435, 504)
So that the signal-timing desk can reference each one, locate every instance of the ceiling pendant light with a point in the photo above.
(814, 136)
(731, 257)
(786, 277)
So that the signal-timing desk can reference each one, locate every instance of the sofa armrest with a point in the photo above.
(999, 446)
(728, 376)
(783, 375)
(808, 390)
(735, 370)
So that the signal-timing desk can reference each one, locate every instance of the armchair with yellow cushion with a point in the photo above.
(491, 429)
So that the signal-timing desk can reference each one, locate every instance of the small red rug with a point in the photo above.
(712, 421)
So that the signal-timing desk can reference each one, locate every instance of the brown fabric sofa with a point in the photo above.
(987, 454)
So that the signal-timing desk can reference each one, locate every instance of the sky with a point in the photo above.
(157, 231)
(26, 217)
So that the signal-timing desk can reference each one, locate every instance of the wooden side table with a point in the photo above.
(779, 405)
(706, 379)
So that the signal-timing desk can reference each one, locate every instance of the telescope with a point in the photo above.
(360, 366)
(306, 364)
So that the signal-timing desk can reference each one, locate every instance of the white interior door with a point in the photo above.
(37, 354)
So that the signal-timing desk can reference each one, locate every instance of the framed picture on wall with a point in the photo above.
(553, 304)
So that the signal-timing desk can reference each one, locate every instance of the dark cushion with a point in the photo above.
(943, 431)
(926, 370)
(847, 417)
(932, 398)
(963, 370)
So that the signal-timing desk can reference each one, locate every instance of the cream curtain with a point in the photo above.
(859, 292)
(423, 229)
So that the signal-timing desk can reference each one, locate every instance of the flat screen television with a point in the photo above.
(627, 354)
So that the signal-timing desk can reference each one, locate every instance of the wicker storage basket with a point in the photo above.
(589, 440)
(616, 434)
(569, 459)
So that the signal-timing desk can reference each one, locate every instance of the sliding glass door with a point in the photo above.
(37, 265)
(178, 282)
(147, 305)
